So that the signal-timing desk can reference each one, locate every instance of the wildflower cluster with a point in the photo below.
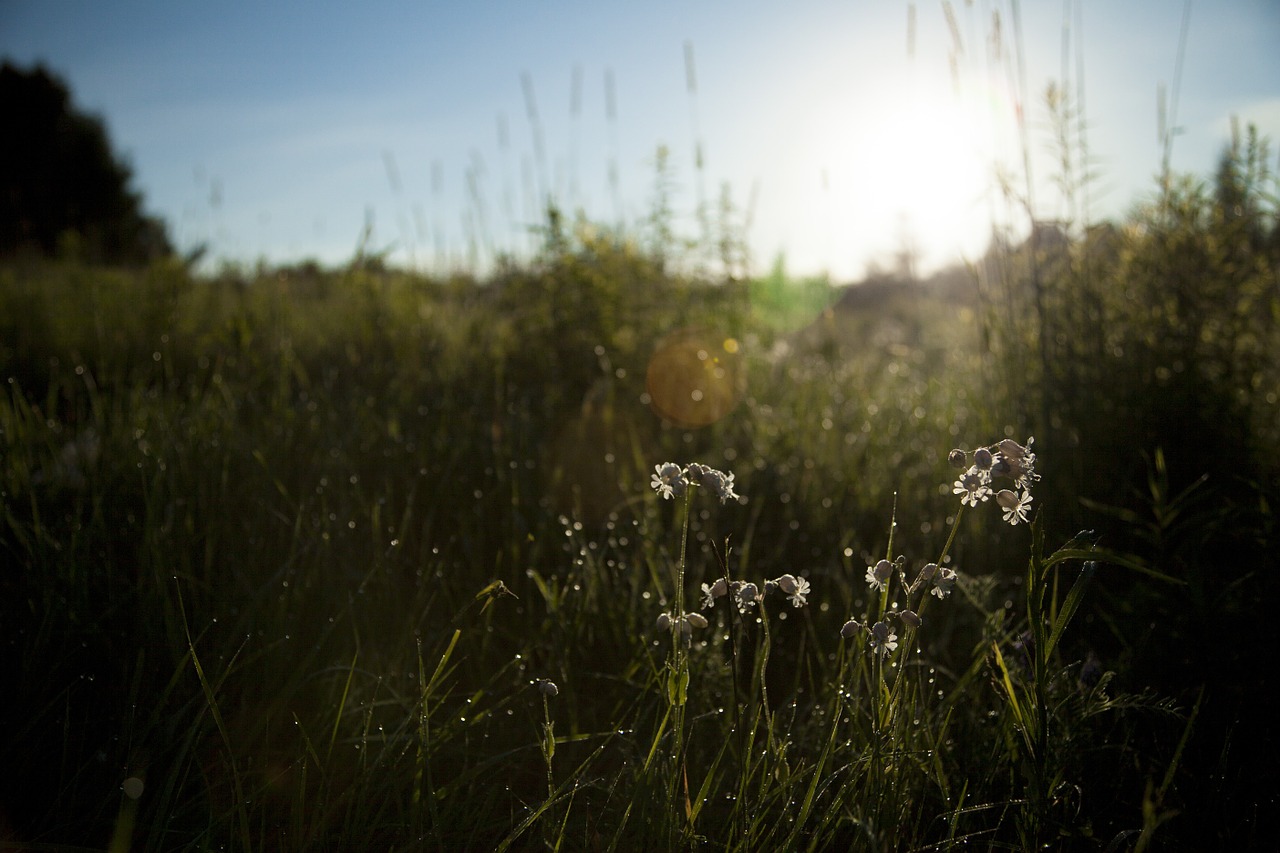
(672, 481)
(881, 635)
(745, 594)
(1005, 459)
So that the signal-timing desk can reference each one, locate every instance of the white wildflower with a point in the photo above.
(746, 595)
(713, 591)
(972, 487)
(879, 574)
(1020, 460)
(794, 588)
(1015, 506)
(943, 583)
(883, 639)
(719, 482)
(669, 480)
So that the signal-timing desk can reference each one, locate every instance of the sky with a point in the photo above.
(845, 134)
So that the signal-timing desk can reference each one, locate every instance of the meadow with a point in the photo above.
(610, 551)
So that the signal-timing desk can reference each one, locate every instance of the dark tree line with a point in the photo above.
(62, 188)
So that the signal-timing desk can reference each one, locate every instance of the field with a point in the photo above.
(304, 559)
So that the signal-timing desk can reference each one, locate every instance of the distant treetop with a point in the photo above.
(62, 188)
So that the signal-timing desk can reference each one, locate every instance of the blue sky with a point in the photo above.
(276, 130)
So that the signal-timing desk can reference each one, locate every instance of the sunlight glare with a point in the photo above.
(909, 169)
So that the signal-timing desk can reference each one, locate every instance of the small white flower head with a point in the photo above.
(664, 622)
(745, 595)
(547, 688)
(910, 618)
(943, 583)
(972, 487)
(713, 591)
(1015, 506)
(957, 459)
(794, 588)
(883, 639)
(850, 628)
(720, 483)
(982, 459)
(669, 480)
(697, 620)
(1020, 460)
(879, 574)
(694, 472)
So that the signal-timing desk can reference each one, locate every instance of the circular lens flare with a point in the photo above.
(694, 378)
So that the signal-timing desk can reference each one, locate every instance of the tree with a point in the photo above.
(61, 185)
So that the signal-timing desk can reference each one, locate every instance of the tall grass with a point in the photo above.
(354, 560)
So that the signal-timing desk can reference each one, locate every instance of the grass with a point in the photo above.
(360, 559)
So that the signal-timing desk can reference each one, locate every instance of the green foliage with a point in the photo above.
(299, 552)
(1142, 357)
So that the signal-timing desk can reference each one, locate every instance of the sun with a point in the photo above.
(908, 169)
(923, 166)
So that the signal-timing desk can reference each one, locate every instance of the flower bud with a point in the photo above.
(1012, 450)
(910, 618)
(850, 628)
(697, 620)
(956, 459)
(982, 458)
(548, 688)
(664, 622)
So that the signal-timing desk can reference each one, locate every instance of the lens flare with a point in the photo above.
(695, 377)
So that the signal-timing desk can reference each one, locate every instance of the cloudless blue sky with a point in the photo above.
(277, 130)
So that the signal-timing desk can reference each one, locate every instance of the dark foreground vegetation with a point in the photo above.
(359, 559)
